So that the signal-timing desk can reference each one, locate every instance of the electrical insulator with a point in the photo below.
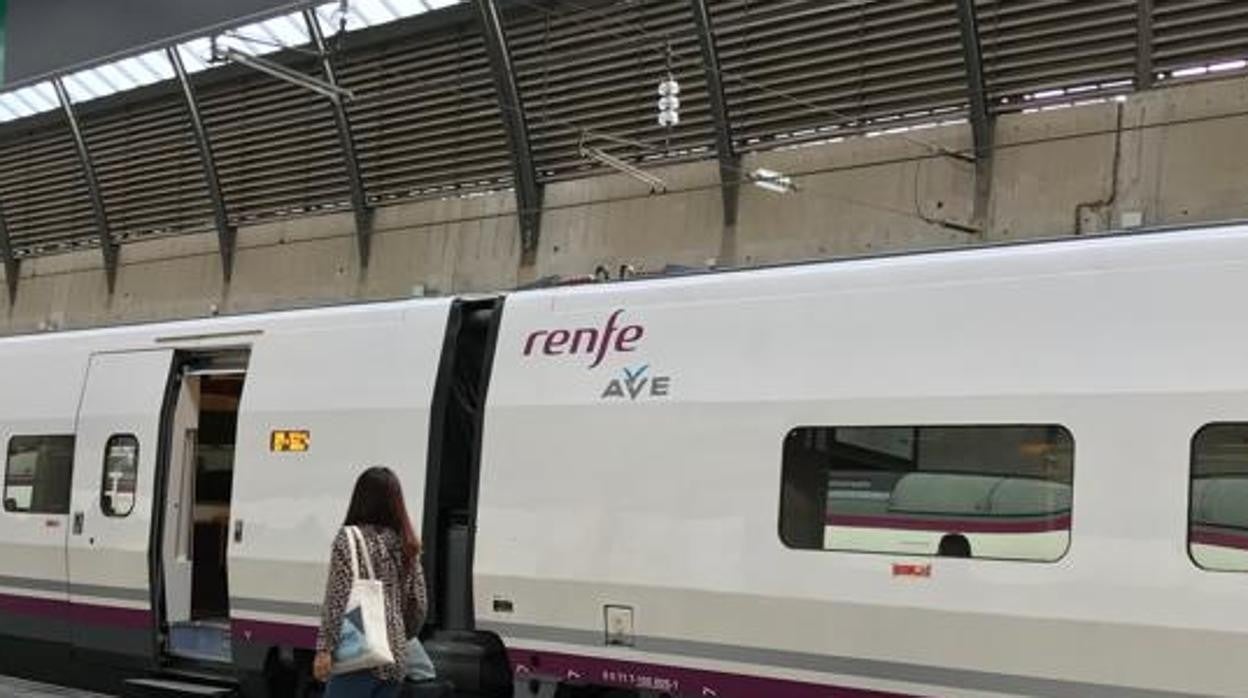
(669, 102)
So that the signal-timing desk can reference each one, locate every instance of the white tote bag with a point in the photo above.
(364, 642)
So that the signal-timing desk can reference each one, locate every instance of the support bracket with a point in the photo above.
(980, 117)
(528, 189)
(12, 265)
(108, 249)
(359, 196)
(1144, 45)
(729, 161)
(226, 234)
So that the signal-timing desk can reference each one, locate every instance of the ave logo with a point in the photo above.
(634, 383)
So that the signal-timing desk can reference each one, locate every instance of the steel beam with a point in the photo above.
(981, 119)
(1144, 45)
(981, 123)
(12, 267)
(359, 198)
(729, 161)
(226, 234)
(528, 190)
(107, 248)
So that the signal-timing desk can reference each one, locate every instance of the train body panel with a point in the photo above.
(662, 507)
(339, 388)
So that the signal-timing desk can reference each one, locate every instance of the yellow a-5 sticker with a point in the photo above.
(290, 440)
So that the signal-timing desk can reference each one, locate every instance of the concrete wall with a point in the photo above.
(1169, 156)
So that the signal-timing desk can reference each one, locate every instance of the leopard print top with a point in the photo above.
(406, 602)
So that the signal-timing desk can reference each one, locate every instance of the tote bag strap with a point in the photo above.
(353, 534)
(355, 565)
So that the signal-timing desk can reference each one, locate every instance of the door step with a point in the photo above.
(202, 641)
(169, 688)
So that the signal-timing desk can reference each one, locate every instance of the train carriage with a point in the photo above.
(1006, 471)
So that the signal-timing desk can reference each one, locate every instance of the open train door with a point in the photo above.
(111, 510)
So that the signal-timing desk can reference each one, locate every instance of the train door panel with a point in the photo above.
(116, 455)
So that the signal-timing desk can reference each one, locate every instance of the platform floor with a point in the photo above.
(18, 688)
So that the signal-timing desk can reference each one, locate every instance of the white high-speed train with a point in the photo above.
(1007, 471)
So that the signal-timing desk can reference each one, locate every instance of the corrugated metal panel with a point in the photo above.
(425, 118)
(796, 69)
(276, 147)
(1195, 32)
(598, 68)
(148, 168)
(1044, 45)
(42, 187)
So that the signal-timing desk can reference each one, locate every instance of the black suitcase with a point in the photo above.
(432, 688)
(474, 663)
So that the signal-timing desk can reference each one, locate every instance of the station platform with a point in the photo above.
(19, 688)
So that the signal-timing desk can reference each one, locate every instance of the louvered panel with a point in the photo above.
(427, 123)
(426, 115)
(276, 147)
(597, 69)
(1048, 45)
(1197, 32)
(795, 67)
(41, 185)
(148, 168)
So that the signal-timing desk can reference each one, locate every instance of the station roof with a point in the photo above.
(434, 86)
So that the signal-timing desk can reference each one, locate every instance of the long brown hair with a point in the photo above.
(378, 501)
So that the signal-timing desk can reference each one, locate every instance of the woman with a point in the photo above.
(377, 509)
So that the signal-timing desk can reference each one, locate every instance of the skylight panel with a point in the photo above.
(330, 15)
(292, 29)
(12, 105)
(395, 12)
(115, 78)
(6, 111)
(40, 97)
(196, 54)
(86, 84)
(136, 72)
(158, 63)
(373, 12)
(81, 90)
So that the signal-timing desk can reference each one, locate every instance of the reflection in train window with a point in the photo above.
(960, 491)
(121, 470)
(1217, 537)
(38, 473)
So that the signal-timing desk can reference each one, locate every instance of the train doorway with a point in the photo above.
(198, 488)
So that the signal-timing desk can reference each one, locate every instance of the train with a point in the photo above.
(1011, 470)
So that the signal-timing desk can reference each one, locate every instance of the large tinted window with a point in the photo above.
(962, 491)
(38, 473)
(1218, 513)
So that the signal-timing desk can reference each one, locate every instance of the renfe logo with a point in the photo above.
(592, 341)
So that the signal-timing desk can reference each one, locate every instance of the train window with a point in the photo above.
(121, 474)
(999, 491)
(1217, 535)
(38, 473)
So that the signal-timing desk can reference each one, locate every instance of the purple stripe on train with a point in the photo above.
(141, 619)
(276, 633)
(1220, 537)
(678, 681)
(87, 614)
(1041, 524)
